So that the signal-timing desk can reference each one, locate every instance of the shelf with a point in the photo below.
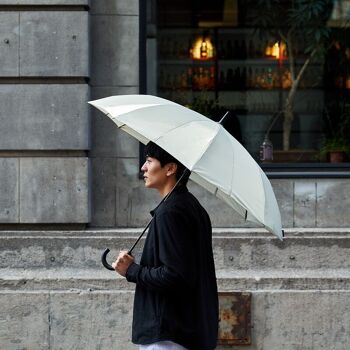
(187, 62)
(226, 61)
(241, 90)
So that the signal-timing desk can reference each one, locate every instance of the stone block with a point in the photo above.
(333, 203)
(133, 200)
(300, 320)
(114, 50)
(85, 320)
(44, 117)
(24, 321)
(291, 257)
(54, 190)
(106, 139)
(103, 191)
(54, 44)
(9, 43)
(305, 203)
(221, 214)
(284, 192)
(115, 7)
(9, 170)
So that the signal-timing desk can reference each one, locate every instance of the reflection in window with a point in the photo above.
(281, 67)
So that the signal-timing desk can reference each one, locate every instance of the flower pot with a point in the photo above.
(336, 157)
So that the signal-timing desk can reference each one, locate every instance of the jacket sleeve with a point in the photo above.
(176, 256)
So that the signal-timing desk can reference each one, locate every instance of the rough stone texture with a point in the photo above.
(106, 139)
(87, 320)
(292, 320)
(333, 203)
(9, 168)
(114, 71)
(299, 321)
(115, 7)
(64, 37)
(103, 190)
(236, 250)
(24, 321)
(54, 190)
(114, 58)
(9, 44)
(114, 143)
(64, 299)
(131, 196)
(221, 214)
(305, 203)
(44, 117)
(284, 191)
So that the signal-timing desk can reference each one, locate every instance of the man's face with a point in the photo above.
(153, 174)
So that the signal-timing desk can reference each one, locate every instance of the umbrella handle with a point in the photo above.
(104, 260)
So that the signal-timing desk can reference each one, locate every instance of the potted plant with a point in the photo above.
(334, 149)
(337, 133)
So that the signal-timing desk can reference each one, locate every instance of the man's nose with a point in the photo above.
(143, 168)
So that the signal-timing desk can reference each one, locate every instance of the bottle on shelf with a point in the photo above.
(266, 150)
(204, 50)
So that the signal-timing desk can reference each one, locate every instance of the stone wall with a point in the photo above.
(114, 70)
(44, 120)
(55, 294)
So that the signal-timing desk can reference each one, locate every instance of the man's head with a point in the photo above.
(160, 167)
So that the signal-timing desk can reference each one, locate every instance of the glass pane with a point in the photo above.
(282, 69)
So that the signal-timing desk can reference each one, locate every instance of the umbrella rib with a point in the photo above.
(188, 122)
(179, 126)
(209, 144)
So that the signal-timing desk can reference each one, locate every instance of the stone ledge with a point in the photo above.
(244, 233)
(103, 280)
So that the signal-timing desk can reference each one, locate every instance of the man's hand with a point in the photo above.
(123, 262)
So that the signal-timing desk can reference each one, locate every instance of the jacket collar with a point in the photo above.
(178, 190)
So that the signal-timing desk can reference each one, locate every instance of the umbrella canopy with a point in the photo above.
(217, 161)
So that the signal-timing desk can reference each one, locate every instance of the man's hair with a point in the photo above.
(154, 151)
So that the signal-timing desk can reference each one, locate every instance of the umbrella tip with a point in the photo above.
(224, 117)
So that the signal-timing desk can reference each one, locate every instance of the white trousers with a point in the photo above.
(162, 345)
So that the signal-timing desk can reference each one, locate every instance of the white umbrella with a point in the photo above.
(217, 161)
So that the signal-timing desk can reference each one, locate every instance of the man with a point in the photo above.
(176, 302)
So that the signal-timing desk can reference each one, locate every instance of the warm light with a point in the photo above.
(277, 50)
(202, 49)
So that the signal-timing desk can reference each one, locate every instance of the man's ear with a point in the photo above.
(171, 169)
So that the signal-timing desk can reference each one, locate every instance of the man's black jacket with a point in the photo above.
(176, 293)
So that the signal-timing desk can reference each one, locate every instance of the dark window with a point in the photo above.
(282, 68)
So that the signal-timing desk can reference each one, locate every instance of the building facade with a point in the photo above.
(70, 186)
